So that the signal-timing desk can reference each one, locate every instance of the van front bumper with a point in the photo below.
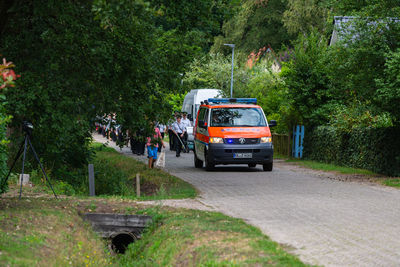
(228, 153)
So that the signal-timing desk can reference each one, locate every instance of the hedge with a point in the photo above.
(375, 149)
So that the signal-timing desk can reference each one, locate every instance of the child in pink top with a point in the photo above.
(152, 146)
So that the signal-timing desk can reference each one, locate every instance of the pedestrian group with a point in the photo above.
(176, 129)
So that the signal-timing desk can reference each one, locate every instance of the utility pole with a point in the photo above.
(233, 54)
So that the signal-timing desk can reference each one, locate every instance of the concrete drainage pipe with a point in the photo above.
(120, 241)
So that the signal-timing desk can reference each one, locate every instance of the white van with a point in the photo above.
(191, 105)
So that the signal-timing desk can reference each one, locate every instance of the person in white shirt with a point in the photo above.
(179, 130)
(187, 123)
(162, 128)
(185, 120)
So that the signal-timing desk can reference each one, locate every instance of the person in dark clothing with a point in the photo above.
(99, 128)
(113, 135)
(120, 140)
(132, 140)
(171, 135)
(140, 143)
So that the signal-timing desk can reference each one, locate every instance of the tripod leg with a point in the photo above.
(23, 165)
(41, 166)
(45, 175)
(13, 164)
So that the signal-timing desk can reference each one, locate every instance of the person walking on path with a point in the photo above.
(179, 130)
(185, 120)
(162, 128)
(187, 123)
(140, 142)
(152, 146)
(171, 134)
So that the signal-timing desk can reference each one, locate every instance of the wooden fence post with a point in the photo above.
(138, 185)
(91, 180)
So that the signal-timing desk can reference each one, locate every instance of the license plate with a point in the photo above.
(243, 155)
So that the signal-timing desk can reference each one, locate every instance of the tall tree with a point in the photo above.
(388, 93)
(78, 61)
(257, 24)
(305, 16)
(186, 30)
(366, 8)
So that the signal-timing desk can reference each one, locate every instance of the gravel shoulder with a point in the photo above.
(357, 178)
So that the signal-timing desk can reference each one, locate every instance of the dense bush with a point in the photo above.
(3, 155)
(7, 77)
(375, 149)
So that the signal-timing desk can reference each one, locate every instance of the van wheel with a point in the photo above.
(267, 167)
(252, 165)
(197, 163)
(209, 165)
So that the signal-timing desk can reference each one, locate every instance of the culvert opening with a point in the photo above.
(119, 230)
(121, 241)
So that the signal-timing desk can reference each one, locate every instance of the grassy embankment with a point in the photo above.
(154, 183)
(42, 231)
(115, 175)
(49, 232)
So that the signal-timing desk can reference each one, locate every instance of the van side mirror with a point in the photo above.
(272, 123)
(202, 124)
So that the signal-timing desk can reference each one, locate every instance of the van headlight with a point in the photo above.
(216, 140)
(265, 140)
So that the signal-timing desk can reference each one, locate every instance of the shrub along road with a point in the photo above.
(324, 221)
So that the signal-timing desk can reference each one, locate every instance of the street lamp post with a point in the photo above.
(233, 53)
(181, 74)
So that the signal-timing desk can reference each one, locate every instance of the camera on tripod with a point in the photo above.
(27, 127)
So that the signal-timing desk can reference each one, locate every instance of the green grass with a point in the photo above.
(197, 238)
(393, 182)
(49, 232)
(38, 232)
(330, 167)
(115, 176)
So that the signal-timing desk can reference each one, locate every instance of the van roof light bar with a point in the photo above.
(233, 100)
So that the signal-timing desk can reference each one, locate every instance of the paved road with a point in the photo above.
(323, 221)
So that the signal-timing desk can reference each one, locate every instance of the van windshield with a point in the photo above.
(237, 117)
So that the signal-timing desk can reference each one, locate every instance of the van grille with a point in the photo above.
(242, 150)
(247, 141)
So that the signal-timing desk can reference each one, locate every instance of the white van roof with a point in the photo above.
(205, 94)
(194, 97)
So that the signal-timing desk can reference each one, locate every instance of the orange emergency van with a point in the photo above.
(232, 131)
